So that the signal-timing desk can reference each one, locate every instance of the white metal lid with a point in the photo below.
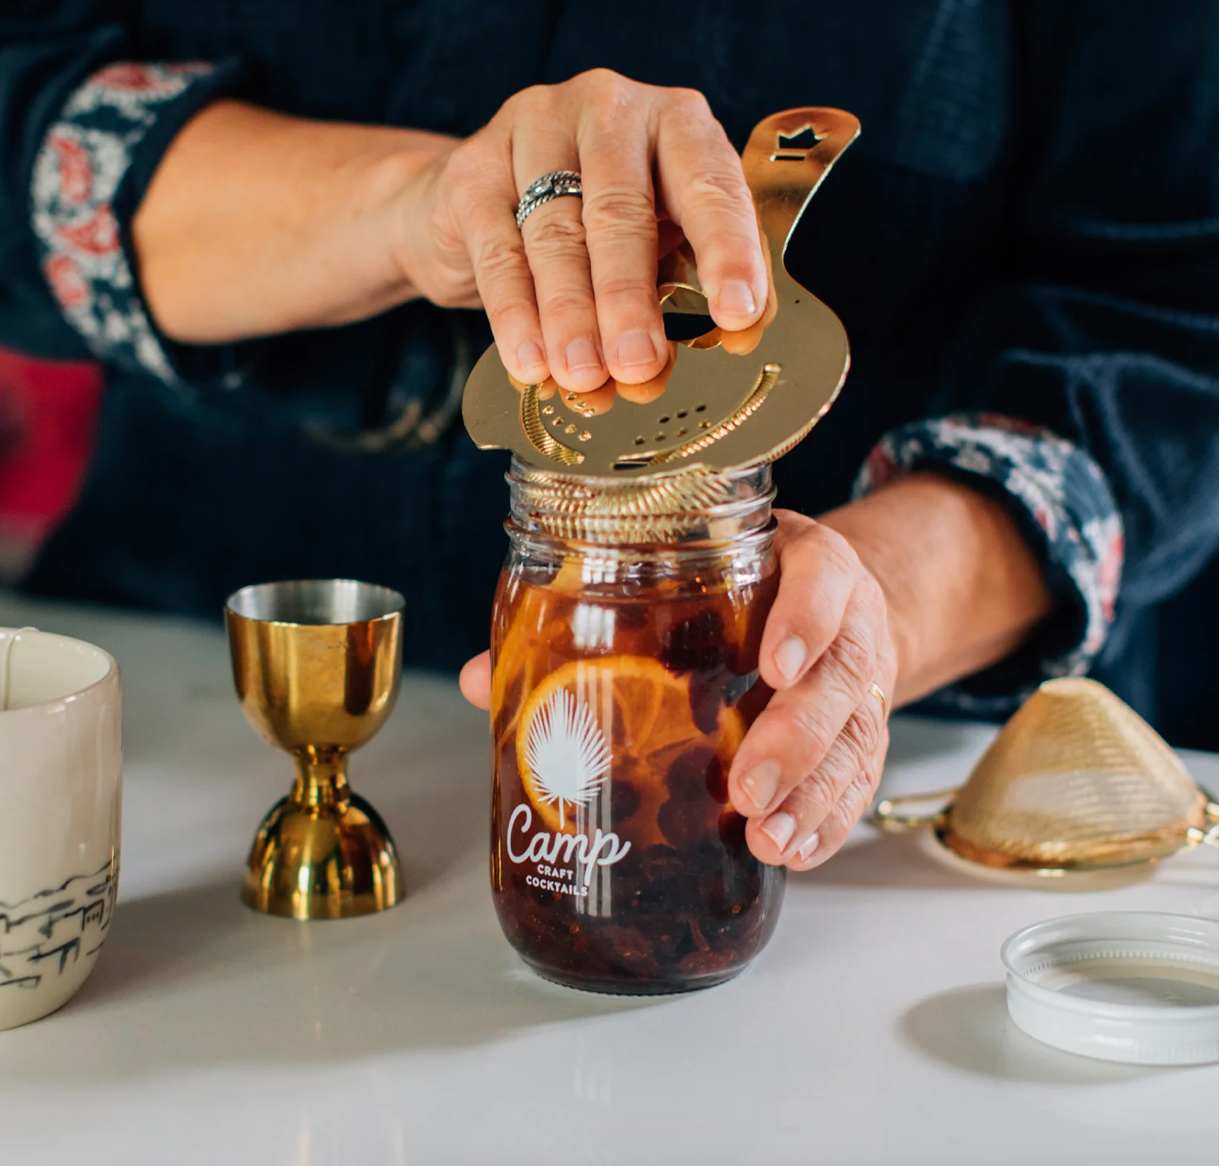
(1133, 986)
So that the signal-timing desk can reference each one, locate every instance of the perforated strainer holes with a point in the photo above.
(548, 409)
(640, 440)
(700, 408)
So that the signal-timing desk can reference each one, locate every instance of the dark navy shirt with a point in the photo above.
(1023, 239)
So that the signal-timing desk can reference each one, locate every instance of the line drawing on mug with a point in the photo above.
(53, 928)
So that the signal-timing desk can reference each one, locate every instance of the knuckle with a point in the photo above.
(533, 99)
(505, 310)
(813, 797)
(606, 83)
(465, 159)
(625, 292)
(552, 234)
(499, 259)
(689, 102)
(863, 732)
(845, 813)
(620, 210)
(853, 655)
(569, 305)
(815, 736)
(834, 545)
(721, 189)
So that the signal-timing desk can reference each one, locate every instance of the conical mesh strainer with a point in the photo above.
(1076, 780)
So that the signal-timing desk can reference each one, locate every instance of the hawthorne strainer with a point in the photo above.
(643, 458)
(1076, 780)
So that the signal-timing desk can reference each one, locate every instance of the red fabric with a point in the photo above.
(48, 419)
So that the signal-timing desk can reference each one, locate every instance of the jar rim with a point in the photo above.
(680, 507)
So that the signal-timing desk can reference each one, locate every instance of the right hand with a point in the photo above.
(573, 293)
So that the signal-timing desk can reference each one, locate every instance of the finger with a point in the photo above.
(481, 201)
(620, 219)
(743, 342)
(806, 820)
(819, 573)
(475, 680)
(648, 391)
(799, 727)
(838, 824)
(705, 192)
(554, 238)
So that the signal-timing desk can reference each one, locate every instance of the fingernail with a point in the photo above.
(582, 354)
(736, 298)
(779, 828)
(636, 347)
(789, 657)
(530, 356)
(807, 847)
(760, 784)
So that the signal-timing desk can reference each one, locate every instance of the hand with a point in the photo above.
(573, 294)
(810, 764)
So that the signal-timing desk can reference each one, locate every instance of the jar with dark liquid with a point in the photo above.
(625, 644)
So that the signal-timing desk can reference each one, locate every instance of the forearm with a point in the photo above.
(962, 588)
(257, 223)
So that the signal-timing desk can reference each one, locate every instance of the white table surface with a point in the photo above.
(871, 1030)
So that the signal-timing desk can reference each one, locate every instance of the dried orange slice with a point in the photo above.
(622, 717)
(521, 652)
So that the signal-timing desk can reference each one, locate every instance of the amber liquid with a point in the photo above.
(670, 675)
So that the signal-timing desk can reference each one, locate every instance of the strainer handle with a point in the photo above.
(1208, 837)
(887, 817)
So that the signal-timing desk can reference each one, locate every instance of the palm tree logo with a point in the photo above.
(567, 752)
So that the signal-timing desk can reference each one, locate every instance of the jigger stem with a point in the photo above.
(321, 778)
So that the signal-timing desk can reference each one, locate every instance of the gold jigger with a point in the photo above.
(317, 664)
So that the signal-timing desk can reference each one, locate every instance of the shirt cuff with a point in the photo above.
(1064, 508)
(90, 173)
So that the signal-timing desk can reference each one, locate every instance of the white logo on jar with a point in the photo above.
(567, 752)
(569, 758)
(601, 848)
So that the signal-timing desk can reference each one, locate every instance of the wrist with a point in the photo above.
(962, 587)
(404, 189)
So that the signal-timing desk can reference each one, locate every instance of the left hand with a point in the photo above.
(810, 764)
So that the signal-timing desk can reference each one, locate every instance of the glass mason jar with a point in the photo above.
(625, 641)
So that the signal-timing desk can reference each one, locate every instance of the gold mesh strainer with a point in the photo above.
(1075, 781)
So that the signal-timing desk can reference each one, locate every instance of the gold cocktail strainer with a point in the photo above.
(630, 463)
(1075, 781)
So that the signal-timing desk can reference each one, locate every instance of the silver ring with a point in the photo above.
(542, 190)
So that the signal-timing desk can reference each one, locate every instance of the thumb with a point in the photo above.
(475, 681)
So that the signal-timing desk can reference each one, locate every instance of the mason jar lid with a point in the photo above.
(1132, 986)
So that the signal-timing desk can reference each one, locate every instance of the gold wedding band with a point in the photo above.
(876, 691)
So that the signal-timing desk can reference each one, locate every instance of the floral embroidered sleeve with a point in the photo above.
(1063, 506)
(93, 166)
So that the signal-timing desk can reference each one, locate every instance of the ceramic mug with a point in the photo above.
(60, 793)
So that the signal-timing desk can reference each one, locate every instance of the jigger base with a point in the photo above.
(322, 862)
